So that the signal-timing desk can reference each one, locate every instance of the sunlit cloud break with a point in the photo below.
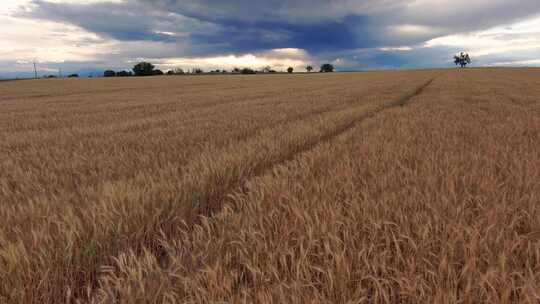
(279, 59)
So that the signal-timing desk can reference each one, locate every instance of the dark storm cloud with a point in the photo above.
(246, 36)
(216, 26)
(208, 28)
(380, 17)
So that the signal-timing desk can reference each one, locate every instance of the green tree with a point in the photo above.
(143, 69)
(327, 68)
(247, 71)
(462, 59)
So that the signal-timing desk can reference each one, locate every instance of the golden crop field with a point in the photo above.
(374, 187)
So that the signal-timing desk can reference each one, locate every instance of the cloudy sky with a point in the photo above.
(88, 36)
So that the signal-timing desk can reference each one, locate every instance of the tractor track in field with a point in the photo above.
(208, 207)
(403, 101)
(212, 204)
(263, 168)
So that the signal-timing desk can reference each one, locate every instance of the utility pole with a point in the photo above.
(35, 70)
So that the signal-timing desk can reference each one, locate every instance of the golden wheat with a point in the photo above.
(383, 187)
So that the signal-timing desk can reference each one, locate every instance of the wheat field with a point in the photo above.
(374, 187)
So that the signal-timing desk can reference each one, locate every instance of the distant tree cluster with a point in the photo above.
(177, 71)
(327, 68)
(148, 69)
(267, 69)
(124, 74)
(111, 73)
(60, 76)
(143, 69)
(246, 71)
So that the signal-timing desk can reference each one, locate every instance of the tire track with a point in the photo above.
(405, 99)
(214, 203)
(263, 168)
(204, 188)
(211, 204)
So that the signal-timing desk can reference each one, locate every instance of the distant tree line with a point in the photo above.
(111, 73)
(148, 69)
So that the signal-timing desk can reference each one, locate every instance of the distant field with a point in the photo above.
(375, 187)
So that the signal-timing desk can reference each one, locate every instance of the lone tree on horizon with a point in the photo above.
(309, 68)
(327, 68)
(462, 59)
(143, 69)
(290, 70)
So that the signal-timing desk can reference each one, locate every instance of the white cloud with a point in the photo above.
(22, 39)
(279, 59)
(413, 29)
(396, 49)
(522, 36)
(524, 63)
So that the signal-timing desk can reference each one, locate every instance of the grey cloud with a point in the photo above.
(468, 15)
(128, 21)
(297, 11)
(211, 26)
